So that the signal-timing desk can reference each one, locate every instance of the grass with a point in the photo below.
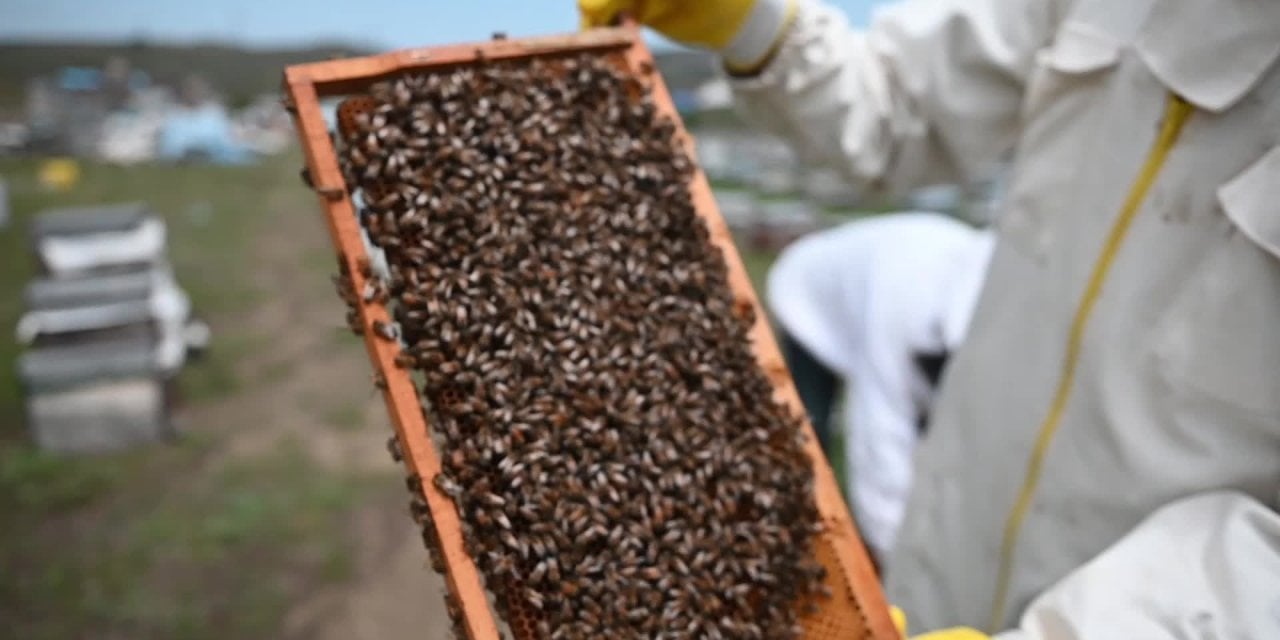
(757, 263)
(34, 481)
(214, 375)
(345, 416)
(230, 548)
(181, 540)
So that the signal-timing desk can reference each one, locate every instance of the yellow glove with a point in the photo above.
(709, 23)
(955, 633)
(747, 32)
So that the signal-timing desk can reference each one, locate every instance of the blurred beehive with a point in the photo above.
(107, 329)
(855, 606)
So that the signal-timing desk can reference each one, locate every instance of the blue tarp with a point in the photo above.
(685, 100)
(93, 79)
(79, 79)
(202, 133)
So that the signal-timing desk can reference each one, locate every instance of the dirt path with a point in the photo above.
(394, 594)
(308, 383)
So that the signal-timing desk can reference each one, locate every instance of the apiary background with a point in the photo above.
(279, 515)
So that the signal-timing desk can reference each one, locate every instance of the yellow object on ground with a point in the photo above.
(59, 174)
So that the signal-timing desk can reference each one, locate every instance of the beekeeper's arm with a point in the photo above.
(933, 91)
(930, 93)
(1201, 567)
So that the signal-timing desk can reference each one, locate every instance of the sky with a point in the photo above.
(277, 23)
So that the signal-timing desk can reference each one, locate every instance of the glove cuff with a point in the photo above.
(760, 35)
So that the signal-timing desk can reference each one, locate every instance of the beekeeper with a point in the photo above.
(1104, 459)
(878, 304)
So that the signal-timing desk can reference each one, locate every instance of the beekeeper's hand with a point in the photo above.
(745, 32)
(957, 633)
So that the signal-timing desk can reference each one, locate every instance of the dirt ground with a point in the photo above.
(319, 371)
(393, 593)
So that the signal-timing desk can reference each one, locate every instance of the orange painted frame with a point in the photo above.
(838, 547)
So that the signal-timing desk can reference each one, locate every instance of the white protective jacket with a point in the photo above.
(1124, 357)
(866, 299)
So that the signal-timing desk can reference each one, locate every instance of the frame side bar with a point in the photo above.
(406, 413)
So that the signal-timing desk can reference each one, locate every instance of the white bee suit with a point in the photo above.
(865, 299)
(1124, 354)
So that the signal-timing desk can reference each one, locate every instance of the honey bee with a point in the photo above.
(385, 330)
(585, 366)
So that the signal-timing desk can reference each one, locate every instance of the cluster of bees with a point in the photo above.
(615, 452)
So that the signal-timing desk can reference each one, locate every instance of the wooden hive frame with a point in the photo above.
(856, 608)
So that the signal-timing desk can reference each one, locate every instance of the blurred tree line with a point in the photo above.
(238, 74)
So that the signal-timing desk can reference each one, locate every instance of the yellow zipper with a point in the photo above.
(1175, 115)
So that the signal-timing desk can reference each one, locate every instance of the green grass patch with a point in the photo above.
(320, 260)
(36, 481)
(349, 416)
(757, 263)
(729, 184)
(343, 338)
(277, 369)
(215, 375)
(215, 555)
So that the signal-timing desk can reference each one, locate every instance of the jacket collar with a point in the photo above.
(1211, 52)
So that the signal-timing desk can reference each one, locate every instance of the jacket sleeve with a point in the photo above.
(1202, 567)
(929, 93)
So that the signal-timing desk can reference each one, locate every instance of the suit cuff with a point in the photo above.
(760, 36)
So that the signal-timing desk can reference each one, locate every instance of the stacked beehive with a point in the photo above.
(107, 329)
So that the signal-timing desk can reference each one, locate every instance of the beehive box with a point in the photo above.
(855, 606)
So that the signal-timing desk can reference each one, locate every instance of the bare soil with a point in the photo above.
(307, 370)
